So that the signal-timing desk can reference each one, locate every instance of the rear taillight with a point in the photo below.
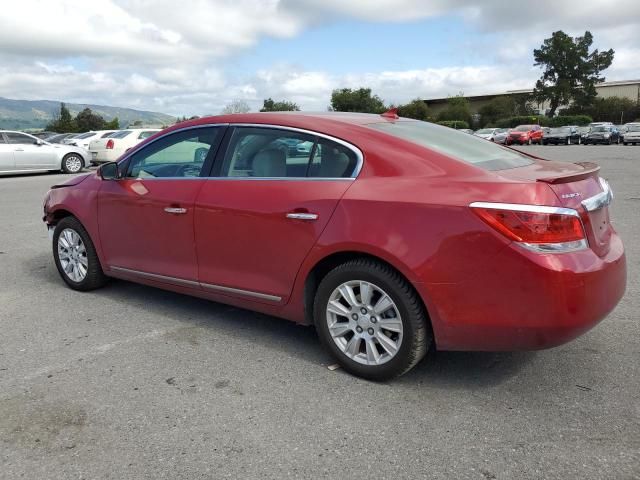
(109, 144)
(538, 228)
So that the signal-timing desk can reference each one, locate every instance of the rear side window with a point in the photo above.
(467, 148)
(146, 134)
(279, 153)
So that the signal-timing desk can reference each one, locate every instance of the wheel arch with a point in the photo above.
(324, 265)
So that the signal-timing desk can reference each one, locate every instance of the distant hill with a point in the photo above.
(35, 114)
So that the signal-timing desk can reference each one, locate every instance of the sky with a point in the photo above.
(192, 57)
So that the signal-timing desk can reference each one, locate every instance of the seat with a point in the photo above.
(333, 164)
(270, 163)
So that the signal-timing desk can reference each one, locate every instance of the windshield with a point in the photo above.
(523, 128)
(468, 148)
(600, 129)
(633, 128)
(485, 130)
(560, 130)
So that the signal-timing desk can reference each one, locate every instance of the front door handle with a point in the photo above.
(303, 216)
(175, 210)
(19, 150)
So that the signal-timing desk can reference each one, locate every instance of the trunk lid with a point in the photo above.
(577, 186)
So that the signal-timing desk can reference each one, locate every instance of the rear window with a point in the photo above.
(468, 148)
(84, 135)
(120, 134)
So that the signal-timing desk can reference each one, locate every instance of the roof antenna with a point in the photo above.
(391, 113)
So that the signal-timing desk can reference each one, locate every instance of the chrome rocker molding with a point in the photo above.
(192, 283)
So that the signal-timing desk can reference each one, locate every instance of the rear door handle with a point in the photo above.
(19, 150)
(175, 210)
(303, 216)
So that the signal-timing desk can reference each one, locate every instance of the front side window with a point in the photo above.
(178, 155)
(20, 139)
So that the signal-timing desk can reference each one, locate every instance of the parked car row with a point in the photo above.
(595, 133)
(69, 152)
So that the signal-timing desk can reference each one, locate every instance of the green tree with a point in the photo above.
(360, 100)
(62, 122)
(86, 121)
(113, 124)
(415, 109)
(283, 106)
(571, 72)
(610, 109)
(457, 109)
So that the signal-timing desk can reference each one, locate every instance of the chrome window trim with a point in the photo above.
(353, 148)
(526, 208)
(193, 283)
(602, 199)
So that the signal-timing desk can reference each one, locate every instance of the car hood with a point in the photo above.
(72, 181)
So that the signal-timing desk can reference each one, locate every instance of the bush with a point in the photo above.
(564, 120)
(522, 120)
(457, 124)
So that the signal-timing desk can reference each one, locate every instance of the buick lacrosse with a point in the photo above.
(392, 236)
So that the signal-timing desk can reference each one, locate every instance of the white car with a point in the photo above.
(83, 139)
(23, 153)
(110, 148)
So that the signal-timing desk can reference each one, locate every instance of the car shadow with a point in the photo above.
(447, 370)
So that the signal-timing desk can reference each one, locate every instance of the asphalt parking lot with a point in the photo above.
(130, 381)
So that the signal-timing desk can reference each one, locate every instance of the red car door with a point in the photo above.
(145, 218)
(273, 194)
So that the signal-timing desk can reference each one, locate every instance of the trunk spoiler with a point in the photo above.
(590, 169)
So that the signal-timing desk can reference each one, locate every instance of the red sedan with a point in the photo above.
(525, 135)
(389, 235)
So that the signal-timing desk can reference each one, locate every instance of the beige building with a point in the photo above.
(625, 88)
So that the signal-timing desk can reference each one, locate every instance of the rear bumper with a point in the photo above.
(103, 156)
(528, 301)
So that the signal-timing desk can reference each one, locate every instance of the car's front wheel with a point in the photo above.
(371, 320)
(72, 163)
(75, 256)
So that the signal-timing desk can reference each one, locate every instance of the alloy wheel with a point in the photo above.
(364, 322)
(73, 163)
(72, 254)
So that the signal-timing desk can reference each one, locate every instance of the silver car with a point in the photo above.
(632, 135)
(23, 153)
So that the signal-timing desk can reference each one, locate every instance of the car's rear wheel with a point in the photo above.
(75, 256)
(72, 163)
(371, 320)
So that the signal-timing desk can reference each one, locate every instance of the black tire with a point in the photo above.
(70, 163)
(95, 277)
(416, 335)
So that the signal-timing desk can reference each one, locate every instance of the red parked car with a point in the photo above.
(525, 135)
(389, 235)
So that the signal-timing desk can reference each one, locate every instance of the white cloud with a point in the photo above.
(171, 56)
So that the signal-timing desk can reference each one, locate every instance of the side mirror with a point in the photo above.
(108, 171)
